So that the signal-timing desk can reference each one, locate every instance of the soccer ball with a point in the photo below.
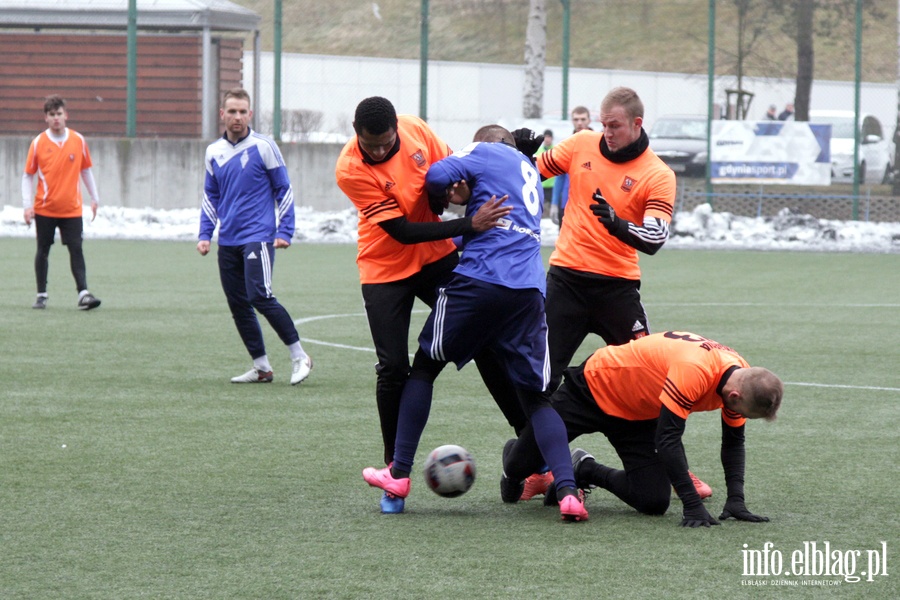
(449, 471)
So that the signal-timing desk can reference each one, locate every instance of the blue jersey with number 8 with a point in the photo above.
(508, 255)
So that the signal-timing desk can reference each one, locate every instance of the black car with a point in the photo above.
(680, 141)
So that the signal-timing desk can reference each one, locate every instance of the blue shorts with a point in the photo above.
(470, 315)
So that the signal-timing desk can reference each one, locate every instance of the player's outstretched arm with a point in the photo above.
(647, 238)
(489, 213)
(671, 452)
(733, 460)
(408, 232)
(527, 142)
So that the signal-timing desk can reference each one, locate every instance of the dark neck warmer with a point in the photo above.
(388, 156)
(629, 152)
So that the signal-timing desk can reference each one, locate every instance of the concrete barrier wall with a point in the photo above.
(167, 174)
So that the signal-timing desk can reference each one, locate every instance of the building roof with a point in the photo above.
(113, 14)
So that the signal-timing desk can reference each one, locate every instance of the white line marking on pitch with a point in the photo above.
(770, 304)
(849, 387)
(363, 349)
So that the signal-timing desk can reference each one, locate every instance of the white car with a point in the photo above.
(876, 151)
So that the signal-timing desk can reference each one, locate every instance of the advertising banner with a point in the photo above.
(770, 152)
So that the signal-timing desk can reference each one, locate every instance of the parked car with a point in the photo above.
(680, 141)
(876, 152)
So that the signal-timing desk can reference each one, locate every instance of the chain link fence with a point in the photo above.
(475, 75)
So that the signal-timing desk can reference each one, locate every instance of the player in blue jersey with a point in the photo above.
(495, 299)
(248, 194)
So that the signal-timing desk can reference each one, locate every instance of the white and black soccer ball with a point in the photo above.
(449, 471)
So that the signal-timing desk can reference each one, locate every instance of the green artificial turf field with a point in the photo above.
(130, 466)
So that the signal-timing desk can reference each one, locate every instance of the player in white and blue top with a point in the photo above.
(248, 194)
(494, 300)
(243, 179)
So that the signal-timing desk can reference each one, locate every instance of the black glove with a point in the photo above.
(606, 214)
(437, 204)
(527, 141)
(697, 516)
(735, 507)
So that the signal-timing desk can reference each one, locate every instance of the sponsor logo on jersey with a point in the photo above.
(245, 158)
(418, 158)
(389, 185)
(510, 226)
(71, 158)
(628, 183)
(586, 165)
(638, 326)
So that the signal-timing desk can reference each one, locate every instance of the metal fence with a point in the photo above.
(754, 52)
(324, 75)
(875, 203)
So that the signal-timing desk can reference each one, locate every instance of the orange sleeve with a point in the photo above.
(556, 160)
(685, 384)
(437, 149)
(367, 194)
(660, 201)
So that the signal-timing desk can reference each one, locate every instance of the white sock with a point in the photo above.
(297, 351)
(82, 294)
(262, 364)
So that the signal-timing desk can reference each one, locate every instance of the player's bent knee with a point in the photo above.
(532, 401)
(653, 506)
(392, 372)
(425, 368)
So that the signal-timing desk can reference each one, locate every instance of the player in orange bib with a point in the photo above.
(640, 395)
(621, 197)
(60, 158)
(405, 250)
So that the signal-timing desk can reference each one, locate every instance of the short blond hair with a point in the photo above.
(238, 93)
(625, 97)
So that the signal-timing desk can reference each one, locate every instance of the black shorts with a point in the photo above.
(634, 441)
(388, 307)
(71, 230)
(582, 303)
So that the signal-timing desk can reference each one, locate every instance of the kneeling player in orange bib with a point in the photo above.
(639, 395)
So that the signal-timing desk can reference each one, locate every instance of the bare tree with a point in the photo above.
(805, 59)
(300, 123)
(296, 125)
(535, 60)
(895, 188)
(752, 25)
(805, 19)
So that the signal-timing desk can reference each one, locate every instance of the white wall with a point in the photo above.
(465, 96)
(167, 174)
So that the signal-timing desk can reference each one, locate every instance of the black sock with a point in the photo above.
(398, 474)
(566, 491)
(597, 474)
